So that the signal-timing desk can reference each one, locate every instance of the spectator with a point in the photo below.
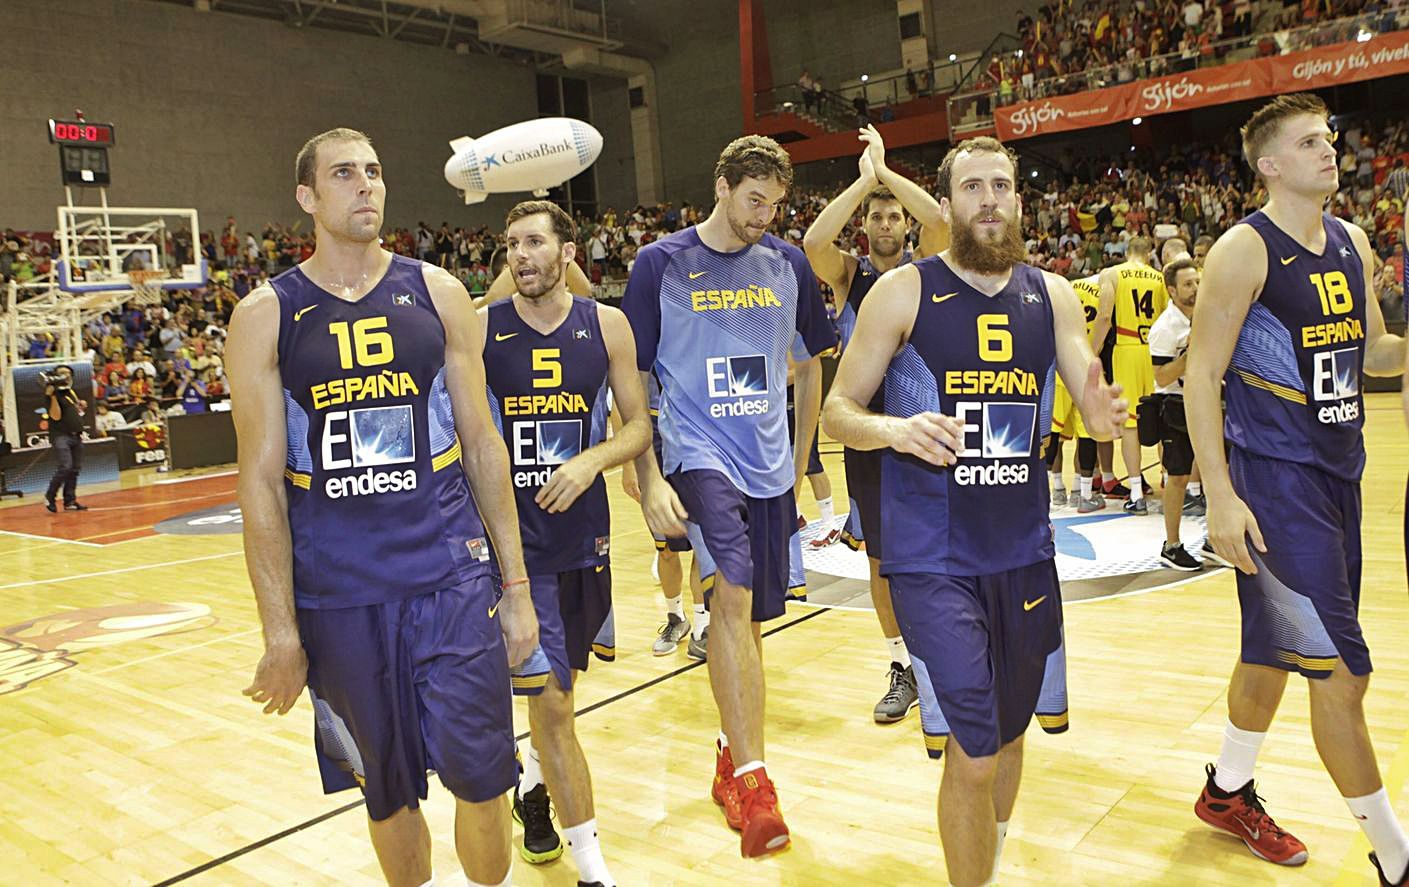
(108, 420)
(140, 388)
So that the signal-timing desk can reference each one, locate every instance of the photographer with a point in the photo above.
(1169, 344)
(65, 436)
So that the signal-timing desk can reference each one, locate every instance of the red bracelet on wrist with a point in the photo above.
(508, 585)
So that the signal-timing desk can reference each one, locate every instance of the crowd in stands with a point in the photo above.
(1075, 45)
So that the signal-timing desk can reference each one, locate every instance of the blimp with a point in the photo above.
(531, 156)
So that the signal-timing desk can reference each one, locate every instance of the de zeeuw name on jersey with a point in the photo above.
(994, 429)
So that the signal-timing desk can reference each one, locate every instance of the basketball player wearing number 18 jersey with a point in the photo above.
(1287, 321)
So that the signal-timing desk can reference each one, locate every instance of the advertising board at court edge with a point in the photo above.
(1382, 56)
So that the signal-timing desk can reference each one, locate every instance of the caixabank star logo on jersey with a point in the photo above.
(1098, 555)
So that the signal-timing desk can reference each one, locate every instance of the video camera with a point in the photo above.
(57, 378)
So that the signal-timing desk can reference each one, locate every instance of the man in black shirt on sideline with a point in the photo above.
(66, 437)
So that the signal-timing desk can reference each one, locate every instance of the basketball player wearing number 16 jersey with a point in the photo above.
(968, 344)
(1287, 320)
(365, 446)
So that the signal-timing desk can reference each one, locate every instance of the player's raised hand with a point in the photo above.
(929, 436)
(875, 147)
(1230, 525)
(1102, 407)
(663, 510)
(279, 678)
(569, 481)
(518, 623)
(866, 168)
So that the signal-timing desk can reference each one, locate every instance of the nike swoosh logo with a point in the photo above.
(937, 298)
(302, 311)
(601, 567)
(1288, 261)
(695, 274)
(1028, 605)
(494, 609)
(499, 337)
(1253, 833)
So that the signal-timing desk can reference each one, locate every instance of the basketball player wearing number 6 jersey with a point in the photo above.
(968, 344)
(1132, 295)
(1287, 320)
(365, 446)
(549, 359)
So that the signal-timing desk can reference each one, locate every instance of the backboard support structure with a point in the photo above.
(107, 249)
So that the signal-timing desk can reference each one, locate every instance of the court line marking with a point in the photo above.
(360, 802)
(186, 649)
(188, 560)
(49, 538)
(184, 480)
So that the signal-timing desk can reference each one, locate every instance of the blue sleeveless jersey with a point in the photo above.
(379, 505)
(548, 396)
(861, 283)
(716, 328)
(1293, 383)
(990, 362)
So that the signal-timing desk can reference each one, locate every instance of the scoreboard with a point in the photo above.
(83, 150)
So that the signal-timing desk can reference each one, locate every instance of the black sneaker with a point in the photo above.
(1386, 882)
(1210, 556)
(540, 840)
(1119, 491)
(1195, 506)
(50, 506)
(74, 506)
(1176, 558)
(1136, 506)
(902, 696)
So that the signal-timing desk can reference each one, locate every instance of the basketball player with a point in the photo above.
(549, 357)
(1287, 320)
(1169, 347)
(1133, 294)
(714, 308)
(972, 338)
(365, 444)
(1066, 421)
(884, 210)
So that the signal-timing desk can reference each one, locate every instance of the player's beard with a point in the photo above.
(885, 246)
(740, 230)
(986, 255)
(544, 282)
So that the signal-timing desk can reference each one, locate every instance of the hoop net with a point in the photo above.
(146, 286)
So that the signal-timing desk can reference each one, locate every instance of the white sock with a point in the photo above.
(431, 882)
(723, 741)
(829, 512)
(587, 853)
(1235, 762)
(898, 653)
(1378, 822)
(676, 605)
(1108, 476)
(532, 771)
(1057, 482)
(507, 882)
(998, 850)
(1086, 488)
(701, 621)
(747, 768)
(1196, 488)
(1137, 487)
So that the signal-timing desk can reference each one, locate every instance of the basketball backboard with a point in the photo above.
(100, 247)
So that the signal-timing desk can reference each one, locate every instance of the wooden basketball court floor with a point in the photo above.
(137, 761)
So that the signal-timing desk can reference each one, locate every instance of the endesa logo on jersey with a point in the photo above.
(1336, 377)
(995, 430)
(738, 386)
(539, 446)
(370, 438)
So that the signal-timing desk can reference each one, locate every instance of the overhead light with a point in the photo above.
(1137, 121)
(1019, 53)
(1034, 173)
(953, 57)
(787, 106)
(1132, 147)
(865, 77)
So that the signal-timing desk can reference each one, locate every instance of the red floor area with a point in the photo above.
(121, 514)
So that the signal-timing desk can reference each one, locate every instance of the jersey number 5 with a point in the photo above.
(995, 342)
(373, 345)
(547, 360)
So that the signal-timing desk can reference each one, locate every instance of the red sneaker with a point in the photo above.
(1243, 816)
(764, 829)
(724, 792)
(825, 539)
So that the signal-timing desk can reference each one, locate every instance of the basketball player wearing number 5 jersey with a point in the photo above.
(550, 358)
(1287, 320)
(365, 443)
(968, 344)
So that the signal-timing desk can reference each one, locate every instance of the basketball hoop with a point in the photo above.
(146, 286)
